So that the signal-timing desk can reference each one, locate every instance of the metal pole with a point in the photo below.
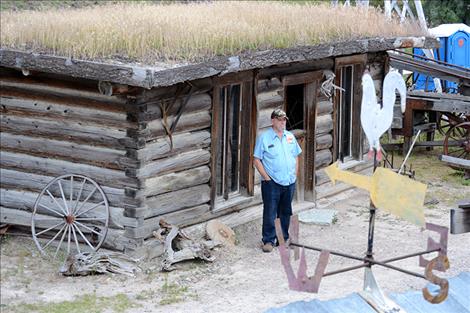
(372, 209)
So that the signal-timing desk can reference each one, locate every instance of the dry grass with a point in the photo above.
(165, 32)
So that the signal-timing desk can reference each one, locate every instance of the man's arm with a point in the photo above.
(259, 166)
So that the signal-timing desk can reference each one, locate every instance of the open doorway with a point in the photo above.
(295, 106)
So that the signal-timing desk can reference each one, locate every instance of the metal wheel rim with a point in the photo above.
(72, 219)
(461, 133)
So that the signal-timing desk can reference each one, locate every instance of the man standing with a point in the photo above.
(276, 159)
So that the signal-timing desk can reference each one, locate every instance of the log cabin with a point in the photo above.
(176, 141)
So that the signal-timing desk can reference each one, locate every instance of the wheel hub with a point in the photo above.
(70, 219)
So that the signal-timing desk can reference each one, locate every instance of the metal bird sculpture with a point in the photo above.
(376, 119)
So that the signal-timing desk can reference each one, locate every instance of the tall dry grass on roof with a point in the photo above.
(195, 31)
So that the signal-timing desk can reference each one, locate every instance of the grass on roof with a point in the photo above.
(189, 32)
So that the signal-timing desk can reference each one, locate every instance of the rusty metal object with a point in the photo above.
(432, 244)
(441, 261)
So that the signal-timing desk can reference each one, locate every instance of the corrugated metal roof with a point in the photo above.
(458, 301)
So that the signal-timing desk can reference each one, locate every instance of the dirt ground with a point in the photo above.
(242, 278)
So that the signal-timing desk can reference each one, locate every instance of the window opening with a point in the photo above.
(229, 142)
(345, 113)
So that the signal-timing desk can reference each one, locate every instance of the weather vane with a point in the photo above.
(389, 191)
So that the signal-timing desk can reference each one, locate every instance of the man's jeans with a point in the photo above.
(277, 202)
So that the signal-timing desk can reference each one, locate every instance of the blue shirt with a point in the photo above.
(278, 155)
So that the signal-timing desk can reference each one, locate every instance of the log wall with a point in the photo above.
(173, 164)
(53, 125)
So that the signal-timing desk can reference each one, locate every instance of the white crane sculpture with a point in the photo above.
(376, 119)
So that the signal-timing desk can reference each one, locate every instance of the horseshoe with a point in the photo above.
(439, 261)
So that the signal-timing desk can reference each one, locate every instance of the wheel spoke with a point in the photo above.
(88, 210)
(53, 238)
(88, 228)
(68, 241)
(63, 196)
(55, 201)
(75, 238)
(84, 238)
(87, 198)
(79, 195)
(46, 230)
(90, 219)
(71, 189)
(61, 240)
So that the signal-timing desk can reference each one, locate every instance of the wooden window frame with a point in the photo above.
(311, 83)
(248, 135)
(358, 62)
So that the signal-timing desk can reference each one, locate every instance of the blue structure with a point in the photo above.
(458, 301)
(454, 49)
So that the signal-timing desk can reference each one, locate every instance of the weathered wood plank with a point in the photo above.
(160, 93)
(175, 181)
(177, 200)
(61, 129)
(176, 163)
(68, 111)
(24, 200)
(11, 179)
(99, 156)
(181, 142)
(53, 167)
(187, 122)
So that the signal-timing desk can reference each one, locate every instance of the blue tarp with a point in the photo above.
(458, 301)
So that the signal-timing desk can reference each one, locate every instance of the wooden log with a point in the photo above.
(160, 93)
(457, 162)
(324, 107)
(324, 141)
(12, 179)
(268, 84)
(269, 100)
(42, 147)
(179, 218)
(187, 122)
(198, 102)
(24, 201)
(176, 163)
(60, 89)
(321, 177)
(53, 167)
(115, 238)
(324, 124)
(264, 118)
(69, 111)
(177, 200)
(323, 157)
(181, 142)
(93, 134)
(175, 181)
(459, 220)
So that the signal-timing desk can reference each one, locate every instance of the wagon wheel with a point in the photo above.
(445, 121)
(71, 213)
(457, 141)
